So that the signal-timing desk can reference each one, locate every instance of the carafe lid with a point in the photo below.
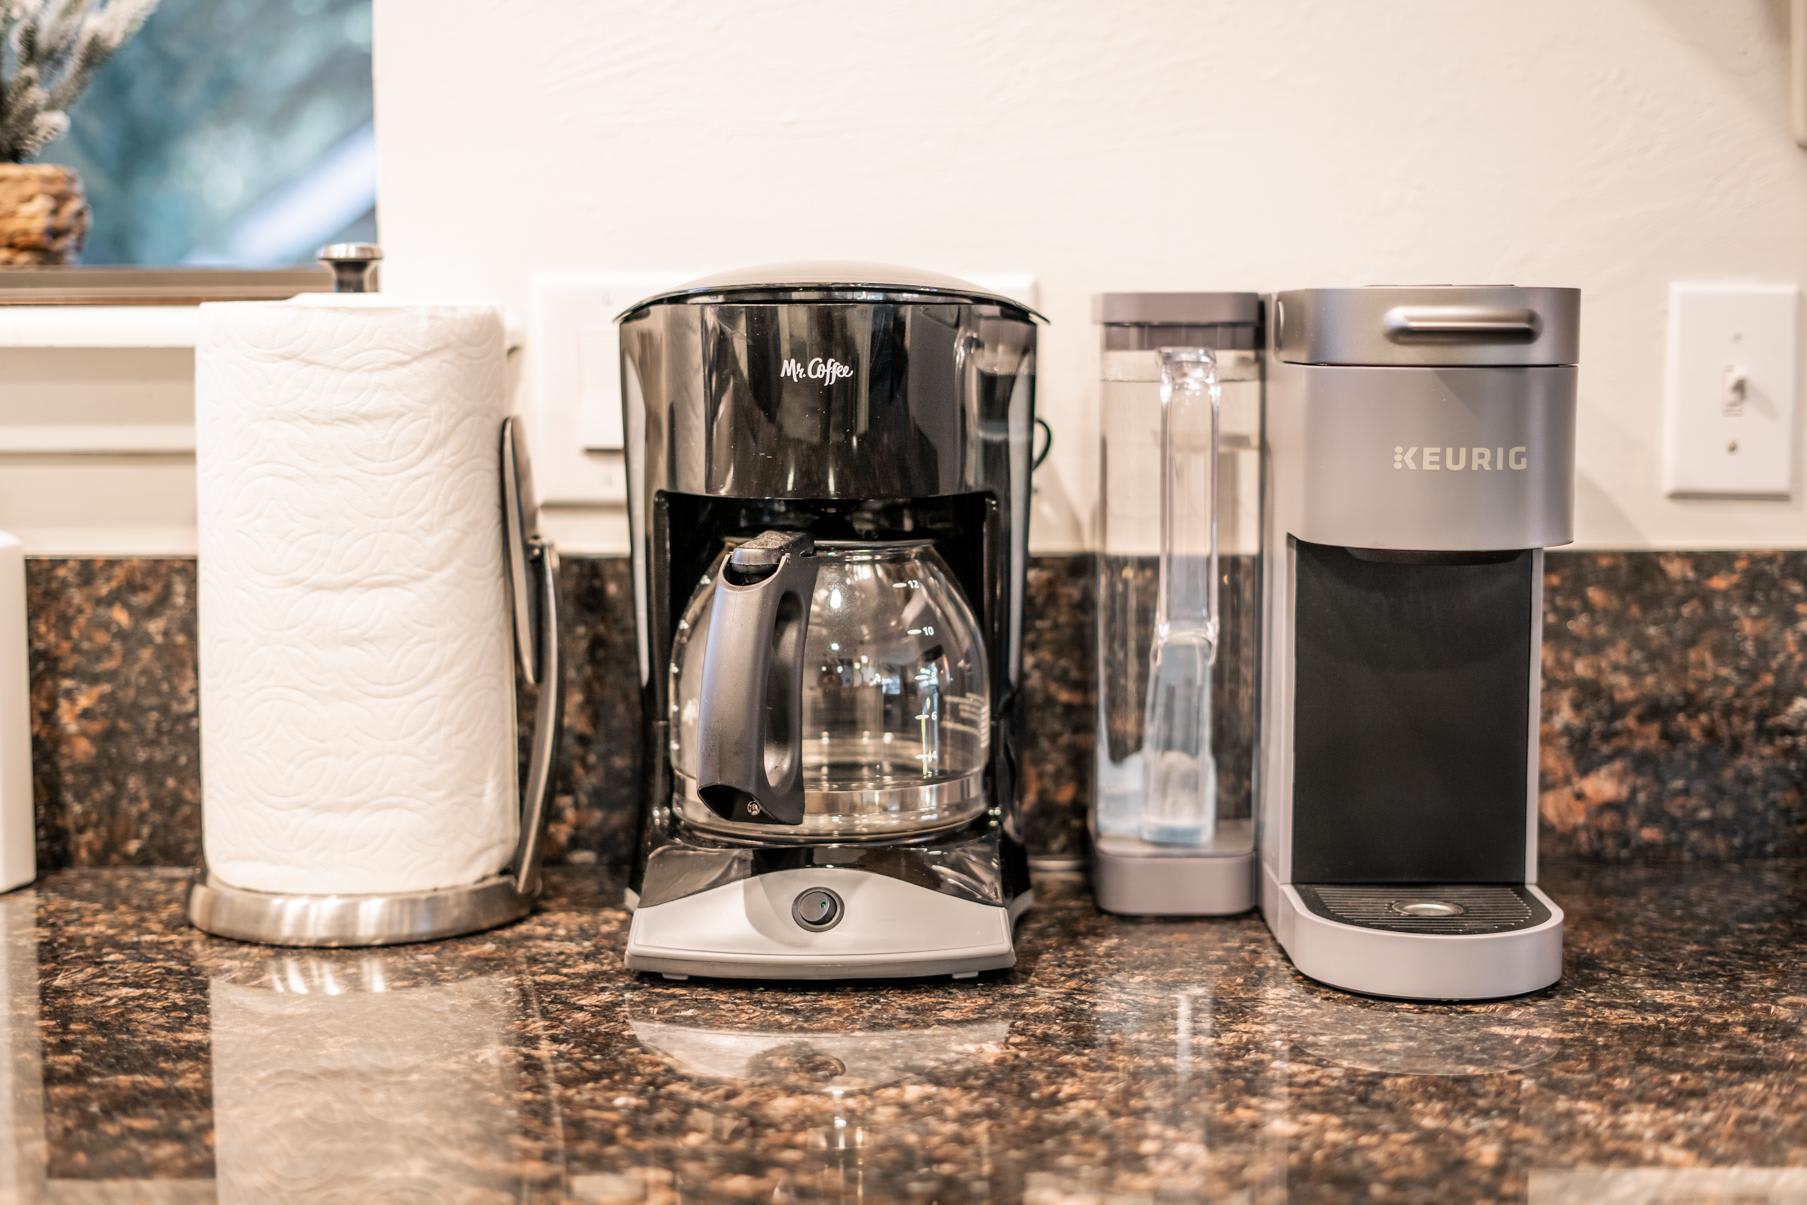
(831, 281)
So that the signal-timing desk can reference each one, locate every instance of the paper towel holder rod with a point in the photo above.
(393, 918)
(353, 265)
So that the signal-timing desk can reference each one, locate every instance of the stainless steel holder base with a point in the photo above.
(393, 918)
(354, 920)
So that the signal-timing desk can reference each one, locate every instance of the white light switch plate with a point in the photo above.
(574, 380)
(574, 374)
(1729, 413)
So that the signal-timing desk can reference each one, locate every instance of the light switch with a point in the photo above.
(1729, 419)
(572, 341)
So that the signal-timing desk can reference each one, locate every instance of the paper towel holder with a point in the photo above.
(353, 265)
(393, 918)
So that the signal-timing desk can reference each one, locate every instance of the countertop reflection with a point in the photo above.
(1120, 1061)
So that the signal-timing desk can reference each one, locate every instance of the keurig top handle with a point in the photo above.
(1460, 324)
(1429, 325)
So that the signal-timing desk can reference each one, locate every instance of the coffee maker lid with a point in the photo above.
(830, 281)
(1428, 326)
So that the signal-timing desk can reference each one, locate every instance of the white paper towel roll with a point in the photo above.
(357, 682)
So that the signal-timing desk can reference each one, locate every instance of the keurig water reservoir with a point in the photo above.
(1178, 602)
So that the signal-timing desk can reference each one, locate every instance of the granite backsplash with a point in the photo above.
(1674, 701)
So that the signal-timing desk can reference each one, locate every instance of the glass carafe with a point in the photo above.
(829, 690)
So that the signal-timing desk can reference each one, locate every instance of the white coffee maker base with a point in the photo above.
(1414, 966)
(827, 923)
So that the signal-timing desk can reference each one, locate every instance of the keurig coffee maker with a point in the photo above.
(828, 490)
(1421, 451)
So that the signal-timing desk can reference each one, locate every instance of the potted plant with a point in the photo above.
(49, 51)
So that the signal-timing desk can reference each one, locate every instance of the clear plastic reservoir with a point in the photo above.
(1179, 577)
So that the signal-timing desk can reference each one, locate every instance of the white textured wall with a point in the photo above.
(1610, 144)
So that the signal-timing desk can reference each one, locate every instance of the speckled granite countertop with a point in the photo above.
(1120, 1061)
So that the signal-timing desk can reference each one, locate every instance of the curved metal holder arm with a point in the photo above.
(532, 565)
(548, 722)
(750, 715)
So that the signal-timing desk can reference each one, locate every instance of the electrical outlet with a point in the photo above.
(1729, 413)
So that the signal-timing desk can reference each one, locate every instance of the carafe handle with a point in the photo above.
(750, 714)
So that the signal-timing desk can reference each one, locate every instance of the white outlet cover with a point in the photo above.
(1732, 391)
(1019, 286)
(574, 380)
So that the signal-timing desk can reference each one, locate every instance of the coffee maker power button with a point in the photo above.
(818, 908)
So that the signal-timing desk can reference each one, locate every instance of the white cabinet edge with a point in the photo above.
(111, 331)
(18, 854)
(1797, 70)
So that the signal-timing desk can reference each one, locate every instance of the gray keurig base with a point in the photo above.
(1463, 949)
(1137, 878)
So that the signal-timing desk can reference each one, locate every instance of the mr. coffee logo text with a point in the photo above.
(1461, 460)
(826, 371)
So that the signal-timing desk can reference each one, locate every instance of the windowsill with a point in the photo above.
(79, 286)
(75, 307)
